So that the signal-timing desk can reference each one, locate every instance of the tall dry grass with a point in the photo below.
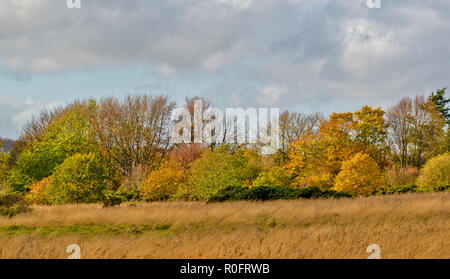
(404, 226)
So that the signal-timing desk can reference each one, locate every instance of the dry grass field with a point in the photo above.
(404, 226)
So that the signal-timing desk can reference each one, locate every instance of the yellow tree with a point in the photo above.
(371, 133)
(319, 156)
(163, 183)
(359, 176)
(336, 135)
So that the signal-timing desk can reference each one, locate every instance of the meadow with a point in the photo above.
(414, 225)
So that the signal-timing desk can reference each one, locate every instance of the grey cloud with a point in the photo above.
(321, 51)
(14, 113)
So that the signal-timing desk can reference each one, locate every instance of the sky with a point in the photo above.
(303, 55)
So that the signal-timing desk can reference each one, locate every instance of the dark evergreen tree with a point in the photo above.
(441, 103)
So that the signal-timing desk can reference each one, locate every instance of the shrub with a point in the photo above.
(397, 189)
(277, 176)
(359, 176)
(162, 184)
(265, 193)
(323, 181)
(37, 192)
(112, 199)
(218, 169)
(80, 178)
(398, 176)
(184, 192)
(436, 173)
(11, 205)
(230, 193)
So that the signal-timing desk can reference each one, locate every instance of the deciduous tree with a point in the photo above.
(359, 176)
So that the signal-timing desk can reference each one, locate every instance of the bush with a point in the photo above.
(11, 205)
(38, 191)
(276, 176)
(218, 169)
(436, 173)
(162, 184)
(112, 199)
(323, 181)
(359, 176)
(78, 179)
(397, 189)
(184, 192)
(265, 193)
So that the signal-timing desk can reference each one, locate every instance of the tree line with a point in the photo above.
(99, 150)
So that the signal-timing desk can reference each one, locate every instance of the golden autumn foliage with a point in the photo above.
(371, 133)
(91, 150)
(359, 176)
(163, 183)
(316, 158)
(36, 195)
(323, 181)
(323, 152)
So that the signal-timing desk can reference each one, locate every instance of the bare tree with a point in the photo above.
(427, 130)
(133, 132)
(399, 118)
(293, 125)
(190, 105)
(415, 130)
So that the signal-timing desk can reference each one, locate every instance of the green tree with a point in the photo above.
(441, 103)
(276, 176)
(66, 135)
(219, 168)
(80, 178)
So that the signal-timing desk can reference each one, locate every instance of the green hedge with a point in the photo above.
(265, 193)
(410, 188)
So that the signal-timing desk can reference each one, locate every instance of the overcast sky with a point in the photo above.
(305, 55)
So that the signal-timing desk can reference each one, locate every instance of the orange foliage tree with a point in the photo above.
(323, 153)
(37, 191)
(316, 158)
(163, 183)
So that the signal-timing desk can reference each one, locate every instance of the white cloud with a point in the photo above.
(271, 94)
(166, 70)
(14, 113)
(312, 52)
(368, 48)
